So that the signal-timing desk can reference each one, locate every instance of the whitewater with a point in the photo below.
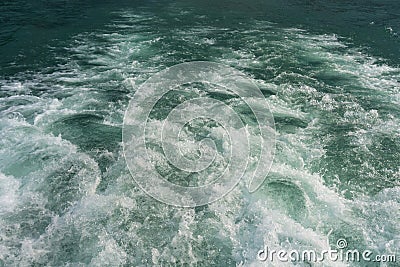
(68, 198)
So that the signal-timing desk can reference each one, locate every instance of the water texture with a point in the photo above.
(329, 70)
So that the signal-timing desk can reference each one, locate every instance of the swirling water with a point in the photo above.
(329, 71)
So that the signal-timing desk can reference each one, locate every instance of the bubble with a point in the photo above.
(236, 144)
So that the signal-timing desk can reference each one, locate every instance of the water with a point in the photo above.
(329, 71)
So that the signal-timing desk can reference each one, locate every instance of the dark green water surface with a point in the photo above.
(330, 71)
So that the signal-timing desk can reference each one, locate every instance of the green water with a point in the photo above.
(330, 73)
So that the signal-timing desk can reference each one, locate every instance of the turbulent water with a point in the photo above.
(329, 71)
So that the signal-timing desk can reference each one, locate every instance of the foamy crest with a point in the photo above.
(235, 142)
